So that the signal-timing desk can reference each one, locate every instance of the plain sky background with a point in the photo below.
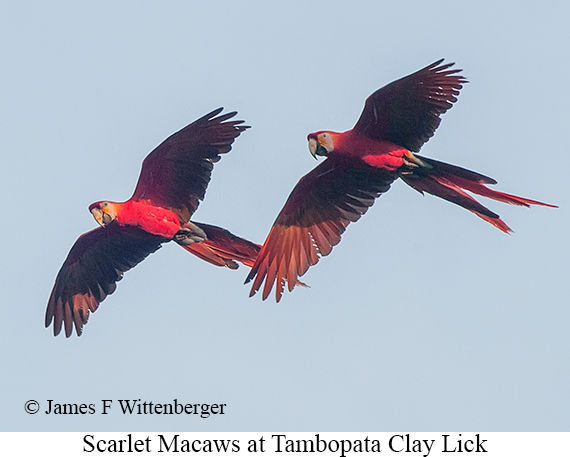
(423, 318)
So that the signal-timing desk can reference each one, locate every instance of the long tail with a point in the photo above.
(450, 183)
(223, 248)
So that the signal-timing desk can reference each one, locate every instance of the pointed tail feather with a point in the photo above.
(222, 248)
(450, 183)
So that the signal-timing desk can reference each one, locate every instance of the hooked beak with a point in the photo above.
(316, 148)
(101, 217)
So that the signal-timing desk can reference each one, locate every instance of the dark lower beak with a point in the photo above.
(107, 219)
(316, 148)
(321, 151)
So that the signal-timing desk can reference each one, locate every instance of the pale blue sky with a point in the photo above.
(423, 318)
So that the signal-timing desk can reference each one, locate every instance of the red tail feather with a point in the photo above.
(450, 183)
(223, 248)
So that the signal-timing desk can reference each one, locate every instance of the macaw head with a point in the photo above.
(103, 212)
(321, 143)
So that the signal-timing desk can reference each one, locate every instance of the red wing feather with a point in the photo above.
(176, 174)
(339, 191)
(91, 270)
(407, 112)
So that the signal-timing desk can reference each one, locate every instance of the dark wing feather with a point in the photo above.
(339, 191)
(95, 263)
(407, 112)
(175, 175)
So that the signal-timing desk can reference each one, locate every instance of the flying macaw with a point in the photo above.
(360, 165)
(172, 182)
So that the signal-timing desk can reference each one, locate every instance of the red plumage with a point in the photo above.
(361, 164)
(173, 181)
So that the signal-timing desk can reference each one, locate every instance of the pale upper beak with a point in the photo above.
(101, 216)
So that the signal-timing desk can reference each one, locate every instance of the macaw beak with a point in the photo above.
(316, 148)
(98, 215)
(101, 216)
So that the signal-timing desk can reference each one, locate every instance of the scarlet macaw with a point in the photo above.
(172, 182)
(360, 165)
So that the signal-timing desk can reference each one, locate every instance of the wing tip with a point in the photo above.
(213, 117)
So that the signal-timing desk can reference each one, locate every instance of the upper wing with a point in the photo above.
(407, 112)
(175, 175)
(95, 263)
(322, 204)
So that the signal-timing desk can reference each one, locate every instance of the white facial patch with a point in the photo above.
(326, 142)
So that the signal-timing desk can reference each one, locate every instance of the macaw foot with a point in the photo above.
(189, 234)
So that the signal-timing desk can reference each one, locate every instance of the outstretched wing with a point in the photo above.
(407, 112)
(339, 191)
(95, 263)
(175, 175)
